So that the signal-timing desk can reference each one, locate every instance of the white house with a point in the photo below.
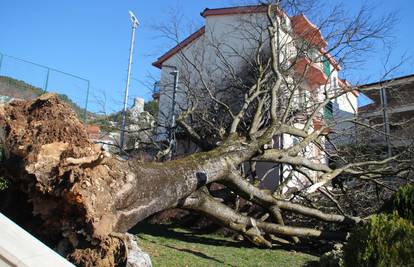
(230, 35)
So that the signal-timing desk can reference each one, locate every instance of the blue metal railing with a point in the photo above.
(156, 89)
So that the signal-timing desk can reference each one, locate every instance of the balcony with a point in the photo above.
(313, 74)
(308, 31)
(156, 91)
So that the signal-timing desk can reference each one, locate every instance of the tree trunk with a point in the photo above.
(86, 197)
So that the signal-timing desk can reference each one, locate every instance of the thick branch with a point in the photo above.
(205, 204)
(266, 199)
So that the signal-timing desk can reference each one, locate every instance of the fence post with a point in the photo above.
(47, 81)
(85, 114)
(1, 60)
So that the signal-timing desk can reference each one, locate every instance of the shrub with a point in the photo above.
(3, 183)
(333, 258)
(2, 153)
(402, 203)
(386, 240)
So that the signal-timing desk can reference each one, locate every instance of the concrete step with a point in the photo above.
(19, 248)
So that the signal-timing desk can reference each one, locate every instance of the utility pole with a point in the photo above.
(384, 103)
(135, 24)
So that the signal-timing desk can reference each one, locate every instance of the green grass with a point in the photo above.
(179, 247)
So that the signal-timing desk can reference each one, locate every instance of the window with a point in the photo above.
(295, 141)
(328, 112)
(301, 100)
(335, 82)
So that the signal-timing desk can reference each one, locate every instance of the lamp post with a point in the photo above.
(175, 73)
(135, 24)
(384, 103)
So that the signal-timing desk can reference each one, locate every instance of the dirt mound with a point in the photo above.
(41, 121)
(52, 166)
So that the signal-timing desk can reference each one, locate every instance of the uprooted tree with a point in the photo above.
(85, 199)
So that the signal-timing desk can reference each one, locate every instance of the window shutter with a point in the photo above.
(328, 112)
(326, 67)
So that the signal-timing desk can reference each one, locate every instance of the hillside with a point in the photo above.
(20, 89)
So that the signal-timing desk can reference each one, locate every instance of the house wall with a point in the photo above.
(400, 103)
(344, 108)
(238, 35)
(226, 41)
(193, 52)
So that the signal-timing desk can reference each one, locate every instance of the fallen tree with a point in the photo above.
(85, 194)
(85, 199)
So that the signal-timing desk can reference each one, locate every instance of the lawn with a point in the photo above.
(178, 247)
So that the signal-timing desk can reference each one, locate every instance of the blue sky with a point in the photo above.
(91, 39)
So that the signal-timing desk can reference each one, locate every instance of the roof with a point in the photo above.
(399, 92)
(92, 129)
(344, 84)
(178, 47)
(331, 59)
(385, 83)
(301, 19)
(208, 12)
(314, 75)
(371, 89)
(234, 10)
(308, 31)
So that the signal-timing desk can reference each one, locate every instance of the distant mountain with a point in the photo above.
(19, 89)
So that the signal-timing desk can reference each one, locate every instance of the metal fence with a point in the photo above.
(40, 78)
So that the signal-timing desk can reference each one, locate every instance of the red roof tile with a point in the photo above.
(92, 129)
(234, 10)
(307, 30)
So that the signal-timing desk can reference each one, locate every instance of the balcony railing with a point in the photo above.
(156, 89)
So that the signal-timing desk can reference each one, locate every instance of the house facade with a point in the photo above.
(391, 111)
(229, 37)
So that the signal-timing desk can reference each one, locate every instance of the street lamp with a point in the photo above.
(135, 24)
(384, 103)
(175, 73)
